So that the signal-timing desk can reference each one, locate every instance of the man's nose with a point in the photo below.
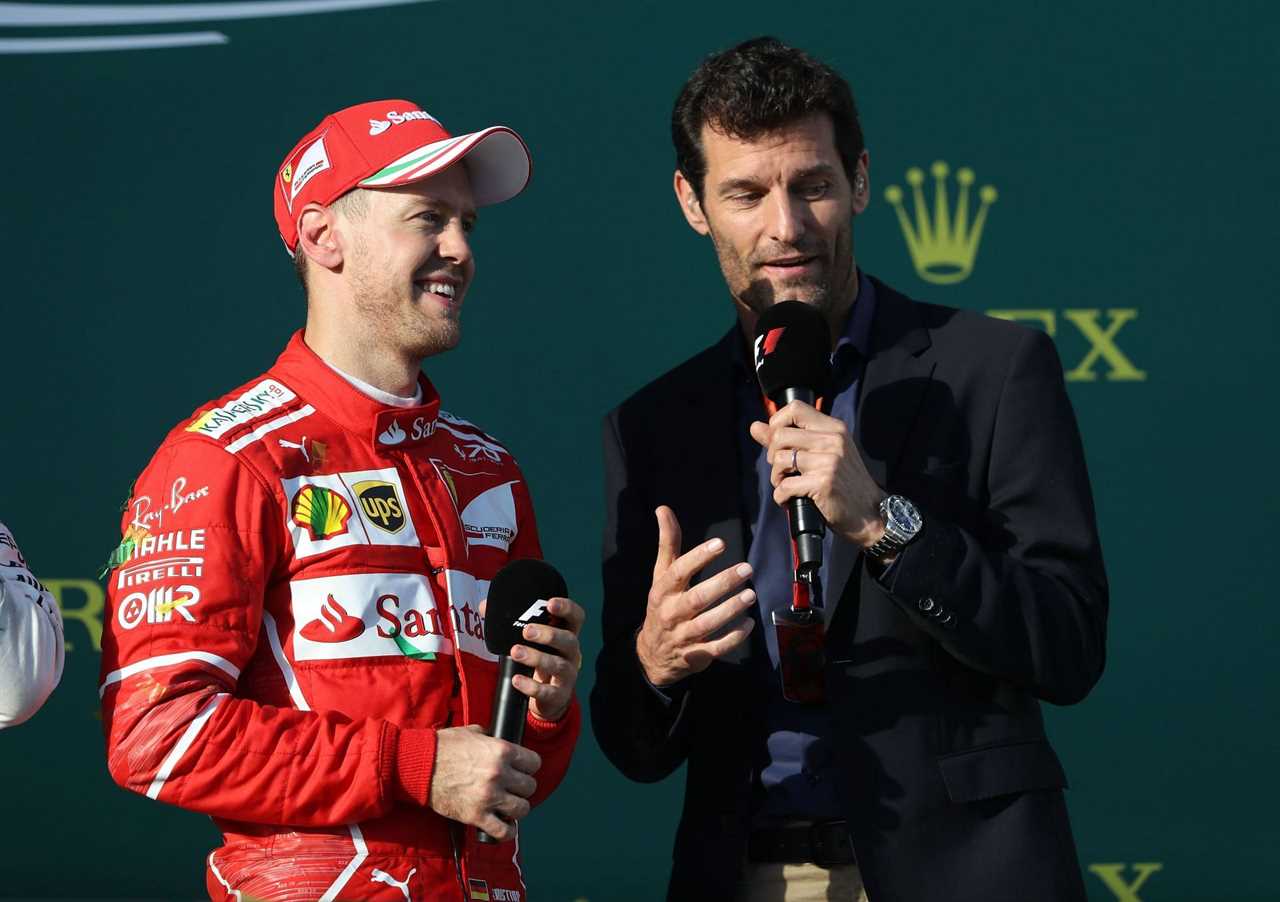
(787, 218)
(454, 244)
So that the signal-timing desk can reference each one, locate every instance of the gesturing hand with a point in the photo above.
(813, 456)
(685, 629)
(482, 781)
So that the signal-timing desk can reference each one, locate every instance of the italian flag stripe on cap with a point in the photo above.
(419, 157)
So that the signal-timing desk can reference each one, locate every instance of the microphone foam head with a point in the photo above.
(792, 349)
(518, 596)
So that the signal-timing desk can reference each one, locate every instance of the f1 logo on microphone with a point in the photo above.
(535, 610)
(765, 344)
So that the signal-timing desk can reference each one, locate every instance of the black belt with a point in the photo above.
(825, 843)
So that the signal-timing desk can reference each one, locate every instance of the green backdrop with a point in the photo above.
(1132, 148)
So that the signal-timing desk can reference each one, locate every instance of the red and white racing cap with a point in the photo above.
(392, 142)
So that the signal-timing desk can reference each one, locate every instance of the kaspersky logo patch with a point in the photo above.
(943, 246)
(367, 615)
(266, 396)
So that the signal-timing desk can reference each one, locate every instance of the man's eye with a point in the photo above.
(468, 225)
(815, 190)
(431, 217)
(745, 198)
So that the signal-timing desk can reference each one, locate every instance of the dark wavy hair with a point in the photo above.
(755, 88)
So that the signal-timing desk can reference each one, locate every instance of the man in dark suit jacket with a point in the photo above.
(925, 774)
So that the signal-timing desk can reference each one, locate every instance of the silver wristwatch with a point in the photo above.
(902, 523)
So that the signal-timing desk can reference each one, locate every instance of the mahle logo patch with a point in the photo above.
(943, 246)
(381, 504)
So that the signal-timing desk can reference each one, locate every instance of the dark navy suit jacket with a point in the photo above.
(950, 786)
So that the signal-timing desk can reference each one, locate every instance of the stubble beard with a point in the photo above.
(830, 294)
(400, 324)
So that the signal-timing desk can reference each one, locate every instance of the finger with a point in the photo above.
(710, 591)
(512, 807)
(569, 611)
(553, 697)
(484, 603)
(563, 641)
(799, 463)
(668, 540)
(803, 415)
(802, 486)
(760, 432)
(709, 622)
(788, 438)
(685, 566)
(496, 827)
(523, 759)
(517, 783)
(546, 667)
(730, 640)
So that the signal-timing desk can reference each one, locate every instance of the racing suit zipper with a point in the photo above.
(457, 861)
(457, 649)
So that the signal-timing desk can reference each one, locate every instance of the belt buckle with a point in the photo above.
(825, 855)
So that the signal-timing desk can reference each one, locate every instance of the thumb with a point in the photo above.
(760, 432)
(668, 540)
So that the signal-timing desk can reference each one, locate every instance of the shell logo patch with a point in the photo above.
(322, 512)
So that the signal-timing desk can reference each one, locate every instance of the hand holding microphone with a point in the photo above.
(814, 459)
(532, 626)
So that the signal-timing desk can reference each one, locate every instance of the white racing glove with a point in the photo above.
(31, 650)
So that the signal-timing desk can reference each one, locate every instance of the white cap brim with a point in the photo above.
(497, 161)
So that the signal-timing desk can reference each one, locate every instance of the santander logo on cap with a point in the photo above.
(378, 126)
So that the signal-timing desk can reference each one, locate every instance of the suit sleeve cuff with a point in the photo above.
(539, 730)
(408, 762)
(666, 695)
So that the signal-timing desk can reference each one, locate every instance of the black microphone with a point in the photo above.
(518, 596)
(793, 363)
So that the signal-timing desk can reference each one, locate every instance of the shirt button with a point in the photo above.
(925, 604)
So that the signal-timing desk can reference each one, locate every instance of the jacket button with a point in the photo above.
(925, 604)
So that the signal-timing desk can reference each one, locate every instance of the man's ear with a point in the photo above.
(690, 206)
(862, 183)
(318, 237)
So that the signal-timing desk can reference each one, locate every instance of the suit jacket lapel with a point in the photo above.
(707, 425)
(892, 387)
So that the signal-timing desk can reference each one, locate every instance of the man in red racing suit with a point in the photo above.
(294, 644)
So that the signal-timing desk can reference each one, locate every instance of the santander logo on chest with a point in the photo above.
(400, 428)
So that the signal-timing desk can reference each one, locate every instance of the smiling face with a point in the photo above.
(778, 209)
(410, 263)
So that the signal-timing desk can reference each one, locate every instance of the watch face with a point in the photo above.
(903, 514)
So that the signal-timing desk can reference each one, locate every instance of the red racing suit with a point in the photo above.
(294, 613)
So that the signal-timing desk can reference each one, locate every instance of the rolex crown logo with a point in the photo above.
(942, 248)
